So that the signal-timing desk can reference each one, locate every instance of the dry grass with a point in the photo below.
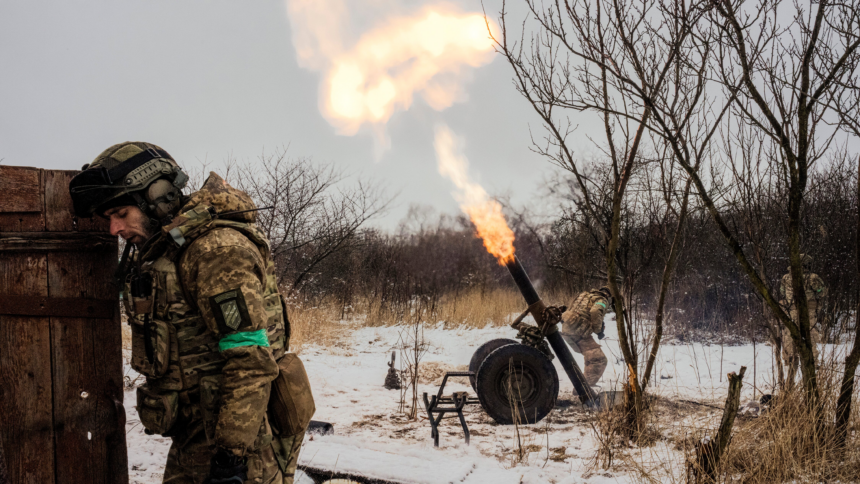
(474, 308)
(786, 444)
(315, 324)
(783, 444)
(478, 309)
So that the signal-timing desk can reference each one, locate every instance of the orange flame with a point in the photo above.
(484, 212)
(384, 69)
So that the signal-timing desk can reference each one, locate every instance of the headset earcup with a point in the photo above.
(163, 199)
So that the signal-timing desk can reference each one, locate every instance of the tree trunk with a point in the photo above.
(709, 452)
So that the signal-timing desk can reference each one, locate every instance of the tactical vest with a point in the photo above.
(171, 343)
(578, 317)
(812, 285)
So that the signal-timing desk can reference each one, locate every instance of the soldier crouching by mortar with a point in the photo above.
(584, 318)
(208, 324)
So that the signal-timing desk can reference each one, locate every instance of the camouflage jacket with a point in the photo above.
(812, 284)
(208, 323)
(585, 315)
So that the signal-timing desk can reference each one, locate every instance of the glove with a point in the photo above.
(227, 468)
(601, 335)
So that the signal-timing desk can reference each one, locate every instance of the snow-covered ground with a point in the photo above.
(372, 437)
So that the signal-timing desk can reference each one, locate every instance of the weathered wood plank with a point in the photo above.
(59, 213)
(55, 241)
(25, 379)
(111, 420)
(4, 474)
(20, 189)
(64, 307)
(87, 372)
(32, 218)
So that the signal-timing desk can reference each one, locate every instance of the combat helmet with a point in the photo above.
(130, 173)
(605, 292)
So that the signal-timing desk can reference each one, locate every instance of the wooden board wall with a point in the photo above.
(61, 413)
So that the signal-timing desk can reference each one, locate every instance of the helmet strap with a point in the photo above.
(147, 210)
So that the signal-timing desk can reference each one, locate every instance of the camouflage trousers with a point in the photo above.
(274, 463)
(595, 360)
(790, 355)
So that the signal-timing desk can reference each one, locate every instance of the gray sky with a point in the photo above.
(204, 79)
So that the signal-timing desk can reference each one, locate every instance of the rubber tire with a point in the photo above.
(538, 371)
(482, 352)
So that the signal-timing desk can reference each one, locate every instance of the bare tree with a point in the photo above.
(313, 214)
(626, 61)
(848, 108)
(784, 79)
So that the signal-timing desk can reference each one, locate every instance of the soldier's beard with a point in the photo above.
(148, 230)
(140, 232)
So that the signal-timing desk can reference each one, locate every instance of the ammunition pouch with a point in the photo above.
(151, 346)
(291, 403)
(157, 410)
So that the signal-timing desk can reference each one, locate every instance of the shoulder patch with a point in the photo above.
(230, 311)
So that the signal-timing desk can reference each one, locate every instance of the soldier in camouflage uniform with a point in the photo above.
(208, 324)
(584, 318)
(815, 292)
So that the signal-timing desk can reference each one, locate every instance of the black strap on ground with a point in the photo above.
(322, 475)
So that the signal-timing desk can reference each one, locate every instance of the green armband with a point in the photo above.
(244, 338)
(601, 304)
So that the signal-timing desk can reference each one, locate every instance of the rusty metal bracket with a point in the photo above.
(61, 307)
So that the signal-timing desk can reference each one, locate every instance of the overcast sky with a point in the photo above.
(204, 79)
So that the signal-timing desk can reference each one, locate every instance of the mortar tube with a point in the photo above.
(585, 392)
(536, 306)
(523, 283)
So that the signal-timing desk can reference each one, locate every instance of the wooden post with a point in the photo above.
(4, 475)
(710, 451)
(61, 413)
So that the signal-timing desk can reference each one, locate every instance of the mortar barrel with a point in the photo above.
(522, 280)
(518, 273)
(585, 392)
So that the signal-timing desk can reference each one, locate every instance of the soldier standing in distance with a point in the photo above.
(208, 324)
(815, 292)
(584, 318)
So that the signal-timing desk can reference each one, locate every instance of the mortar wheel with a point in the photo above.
(482, 352)
(520, 374)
